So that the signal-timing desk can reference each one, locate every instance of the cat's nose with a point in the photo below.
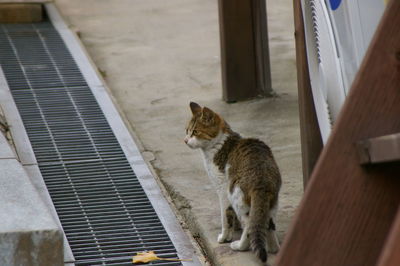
(186, 140)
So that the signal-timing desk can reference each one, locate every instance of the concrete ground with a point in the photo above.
(156, 56)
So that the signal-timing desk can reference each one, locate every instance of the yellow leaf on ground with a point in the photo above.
(149, 256)
(145, 257)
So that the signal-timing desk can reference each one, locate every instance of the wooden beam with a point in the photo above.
(311, 140)
(391, 251)
(21, 13)
(379, 150)
(260, 31)
(347, 210)
(244, 49)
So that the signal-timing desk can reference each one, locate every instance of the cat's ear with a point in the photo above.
(207, 115)
(195, 108)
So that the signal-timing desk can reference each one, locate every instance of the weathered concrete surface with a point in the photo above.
(158, 55)
(29, 234)
(6, 144)
(5, 149)
(36, 248)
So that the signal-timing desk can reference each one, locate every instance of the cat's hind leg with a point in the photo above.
(243, 243)
(227, 225)
(242, 211)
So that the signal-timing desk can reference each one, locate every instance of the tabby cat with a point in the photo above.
(246, 176)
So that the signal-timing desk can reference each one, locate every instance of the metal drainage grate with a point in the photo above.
(103, 209)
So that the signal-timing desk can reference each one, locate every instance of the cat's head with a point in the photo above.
(204, 127)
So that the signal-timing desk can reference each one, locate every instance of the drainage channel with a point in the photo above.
(102, 207)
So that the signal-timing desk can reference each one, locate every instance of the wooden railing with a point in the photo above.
(350, 214)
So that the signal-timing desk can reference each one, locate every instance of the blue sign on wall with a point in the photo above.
(335, 4)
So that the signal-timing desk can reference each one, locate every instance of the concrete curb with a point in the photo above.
(28, 232)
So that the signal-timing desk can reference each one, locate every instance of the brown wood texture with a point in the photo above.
(391, 251)
(347, 210)
(263, 66)
(311, 140)
(20, 13)
(245, 69)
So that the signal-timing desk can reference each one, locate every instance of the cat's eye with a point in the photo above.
(194, 132)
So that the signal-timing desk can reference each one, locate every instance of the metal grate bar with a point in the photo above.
(103, 209)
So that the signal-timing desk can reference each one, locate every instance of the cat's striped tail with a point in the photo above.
(259, 215)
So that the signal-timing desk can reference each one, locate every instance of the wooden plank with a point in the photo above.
(311, 140)
(263, 67)
(347, 210)
(379, 150)
(245, 69)
(391, 251)
(21, 13)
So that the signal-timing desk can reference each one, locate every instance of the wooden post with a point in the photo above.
(311, 140)
(348, 210)
(390, 255)
(20, 13)
(244, 49)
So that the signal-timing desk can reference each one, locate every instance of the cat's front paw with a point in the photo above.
(238, 246)
(224, 237)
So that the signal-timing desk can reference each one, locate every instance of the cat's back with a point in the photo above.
(252, 151)
(252, 163)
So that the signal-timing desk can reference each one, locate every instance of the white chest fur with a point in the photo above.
(217, 178)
